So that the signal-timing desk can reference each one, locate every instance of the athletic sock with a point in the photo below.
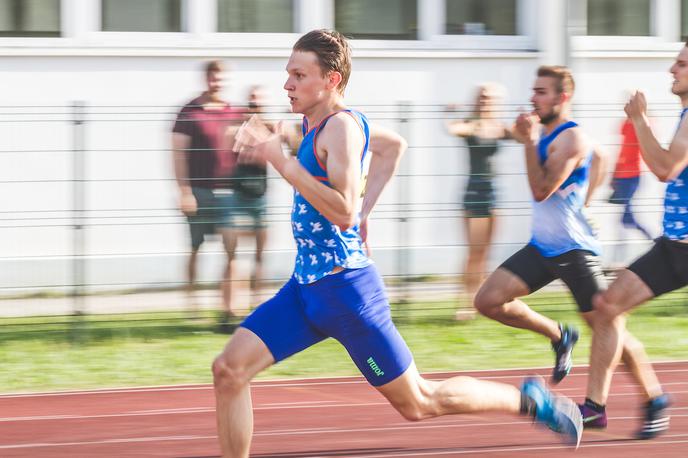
(528, 406)
(594, 406)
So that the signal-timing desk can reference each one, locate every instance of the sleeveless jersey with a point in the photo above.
(559, 224)
(676, 204)
(321, 245)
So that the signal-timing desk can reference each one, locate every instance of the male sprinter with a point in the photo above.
(335, 290)
(563, 244)
(662, 269)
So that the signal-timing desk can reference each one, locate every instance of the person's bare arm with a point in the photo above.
(666, 164)
(598, 172)
(564, 154)
(342, 142)
(386, 147)
(461, 128)
(180, 145)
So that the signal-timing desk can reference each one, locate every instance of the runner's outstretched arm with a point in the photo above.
(664, 163)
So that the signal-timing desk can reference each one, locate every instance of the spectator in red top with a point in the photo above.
(202, 140)
(627, 176)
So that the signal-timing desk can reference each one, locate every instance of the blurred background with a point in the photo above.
(90, 90)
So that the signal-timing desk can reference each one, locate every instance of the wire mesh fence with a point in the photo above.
(91, 222)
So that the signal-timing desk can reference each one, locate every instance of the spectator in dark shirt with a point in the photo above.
(204, 161)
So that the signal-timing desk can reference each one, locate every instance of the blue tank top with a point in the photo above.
(321, 245)
(559, 224)
(676, 204)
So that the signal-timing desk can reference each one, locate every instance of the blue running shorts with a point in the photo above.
(350, 306)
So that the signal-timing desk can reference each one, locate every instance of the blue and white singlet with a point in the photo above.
(676, 204)
(559, 224)
(321, 245)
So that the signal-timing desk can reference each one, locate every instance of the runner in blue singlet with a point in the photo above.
(563, 244)
(335, 290)
(664, 267)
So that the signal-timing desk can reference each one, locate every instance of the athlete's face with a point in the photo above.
(306, 85)
(547, 101)
(679, 71)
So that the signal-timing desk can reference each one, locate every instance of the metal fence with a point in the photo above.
(90, 222)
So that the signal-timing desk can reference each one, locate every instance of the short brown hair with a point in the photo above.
(213, 66)
(333, 51)
(561, 74)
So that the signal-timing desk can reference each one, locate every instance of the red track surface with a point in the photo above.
(318, 418)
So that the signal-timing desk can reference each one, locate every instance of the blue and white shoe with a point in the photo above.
(558, 413)
(563, 353)
(656, 420)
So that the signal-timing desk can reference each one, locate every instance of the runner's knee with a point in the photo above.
(487, 303)
(414, 411)
(603, 309)
(228, 375)
(419, 404)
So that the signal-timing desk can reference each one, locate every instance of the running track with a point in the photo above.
(340, 417)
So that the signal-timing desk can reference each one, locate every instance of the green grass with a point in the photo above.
(154, 349)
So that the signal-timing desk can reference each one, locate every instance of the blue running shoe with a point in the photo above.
(558, 413)
(656, 419)
(563, 349)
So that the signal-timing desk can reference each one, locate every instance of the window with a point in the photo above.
(613, 17)
(481, 17)
(141, 15)
(379, 19)
(30, 18)
(255, 16)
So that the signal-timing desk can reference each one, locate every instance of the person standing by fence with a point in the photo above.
(482, 132)
(203, 158)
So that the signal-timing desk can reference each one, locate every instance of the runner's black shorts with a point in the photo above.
(665, 267)
(580, 270)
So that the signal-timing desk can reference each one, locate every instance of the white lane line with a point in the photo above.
(176, 411)
(417, 453)
(413, 427)
(272, 406)
(107, 441)
(325, 430)
(344, 380)
(462, 450)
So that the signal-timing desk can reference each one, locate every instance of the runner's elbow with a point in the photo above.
(540, 194)
(346, 220)
(666, 174)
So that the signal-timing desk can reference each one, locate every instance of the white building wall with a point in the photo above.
(133, 84)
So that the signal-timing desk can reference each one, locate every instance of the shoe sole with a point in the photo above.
(572, 426)
(661, 428)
